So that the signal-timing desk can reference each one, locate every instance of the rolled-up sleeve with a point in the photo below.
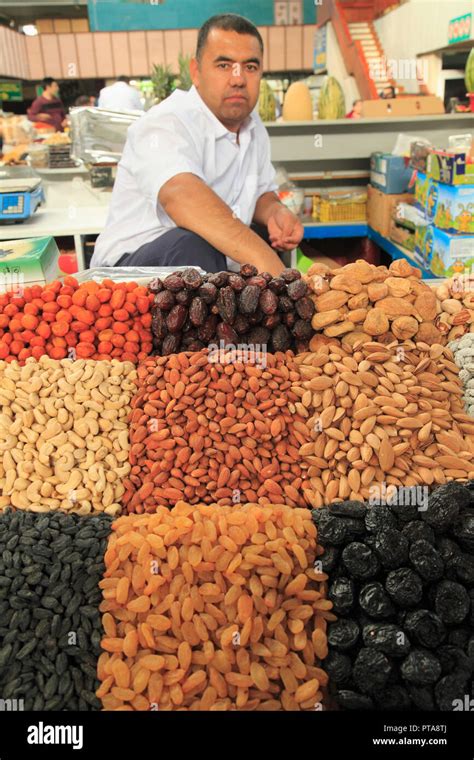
(266, 173)
(160, 151)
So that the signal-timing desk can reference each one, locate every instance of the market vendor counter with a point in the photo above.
(72, 208)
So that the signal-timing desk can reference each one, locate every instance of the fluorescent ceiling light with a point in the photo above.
(30, 30)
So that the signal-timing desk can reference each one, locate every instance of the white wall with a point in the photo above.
(336, 68)
(414, 31)
(419, 26)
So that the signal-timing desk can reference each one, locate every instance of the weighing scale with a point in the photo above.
(20, 193)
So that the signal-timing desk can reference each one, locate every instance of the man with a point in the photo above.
(196, 170)
(356, 112)
(48, 107)
(120, 96)
(388, 92)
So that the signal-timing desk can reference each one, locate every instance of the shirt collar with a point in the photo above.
(219, 129)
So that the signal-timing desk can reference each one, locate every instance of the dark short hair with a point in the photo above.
(82, 100)
(123, 78)
(391, 88)
(229, 22)
(48, 81)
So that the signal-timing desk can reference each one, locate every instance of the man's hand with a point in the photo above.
(191, 204)
(43, 117)
(285, 229)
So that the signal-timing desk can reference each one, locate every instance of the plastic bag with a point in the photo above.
(129, 274)
(403, 144)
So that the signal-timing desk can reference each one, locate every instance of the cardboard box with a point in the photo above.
(422, 186)
(451, 208)
(410, 105)
(444, 254)
(381, 207)
(402, 235)
(449, 168)
(391, 174)
(27, 262)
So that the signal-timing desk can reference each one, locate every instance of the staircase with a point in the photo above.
(364, 32)
(360, 46)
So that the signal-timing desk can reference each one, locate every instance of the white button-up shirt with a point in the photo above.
(120, 96)
(179, 135)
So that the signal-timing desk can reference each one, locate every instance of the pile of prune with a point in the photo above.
(191, 311)
(401, 579)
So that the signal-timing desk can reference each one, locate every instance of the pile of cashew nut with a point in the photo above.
(64, 442)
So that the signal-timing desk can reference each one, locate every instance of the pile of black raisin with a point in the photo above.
(191, 311)
(402, 584)
(50, 624)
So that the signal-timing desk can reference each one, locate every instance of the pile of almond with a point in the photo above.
(382, 413)
(360, 302)
(456, 306)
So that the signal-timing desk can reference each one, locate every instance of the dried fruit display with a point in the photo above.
(239, 309)
(50, 568)
(382, 413)
(401, 579)
(68, 320)
(214, 608)
(215, 429)
(463, 351)
(64, 436)
(360, 301)
(455, 312)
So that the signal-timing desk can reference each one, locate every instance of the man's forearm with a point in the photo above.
(267, 204)
(191, 204)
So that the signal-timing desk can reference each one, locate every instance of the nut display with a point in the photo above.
(456, 306)
(360, 302)
(463, 350)
(382, 413)
(91, 320)
(215, 429)
(64, 439)
(213, 608)
(191, 311)
(401, 578)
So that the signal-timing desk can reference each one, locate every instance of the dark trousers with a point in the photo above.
(180, 247)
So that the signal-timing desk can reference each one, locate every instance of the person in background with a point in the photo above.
(48, 108)
(120, 96)
(388, 92)
(356, 112)
(196, 172)
(81, 101)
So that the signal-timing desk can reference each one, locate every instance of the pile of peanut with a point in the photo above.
(360, 302)
(456, 306)
(214, 608)
(381, 413)
(463, 351)
(64, 440)
(215, 431)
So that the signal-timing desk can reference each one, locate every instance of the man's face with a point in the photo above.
(53, 89)
(228, 75)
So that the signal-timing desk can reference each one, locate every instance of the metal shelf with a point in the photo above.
(319, 230)
(399, 252)
(340, 146)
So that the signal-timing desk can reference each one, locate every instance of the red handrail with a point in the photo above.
(351, 50)
(362, 61)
